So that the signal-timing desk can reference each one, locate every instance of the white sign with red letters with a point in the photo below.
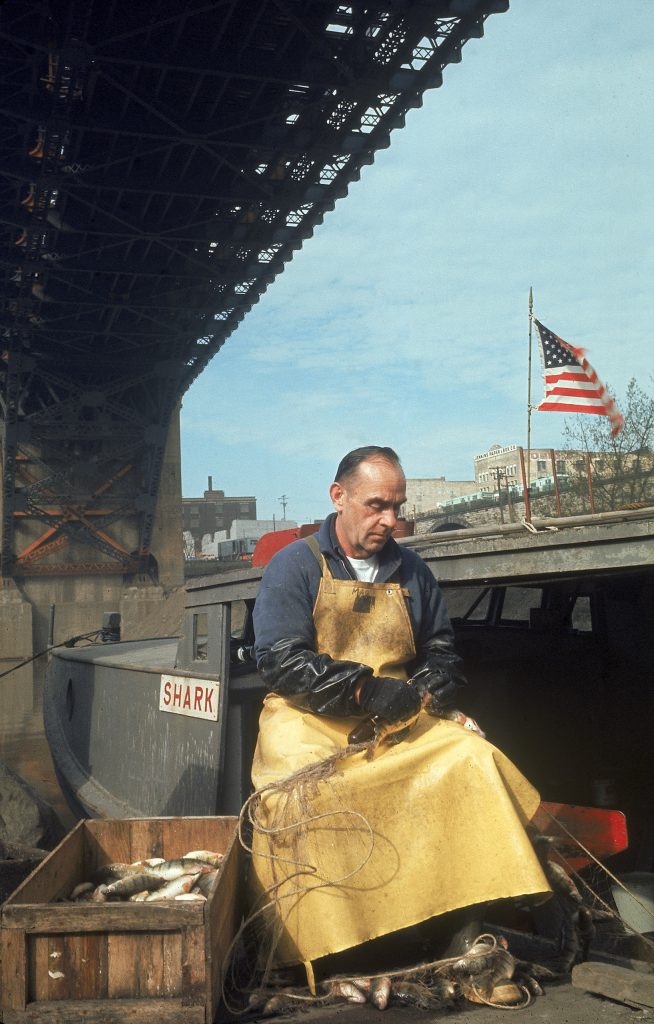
(182, 695)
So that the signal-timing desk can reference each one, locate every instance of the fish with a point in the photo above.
(206, 882)
(365, 984)
(191, 897)
(205, 857)
(82, 891)
(133, 884)
(380, 993)
(112, 872)
(347, 990)
(173, 887)
(414, 993)
(170, 869)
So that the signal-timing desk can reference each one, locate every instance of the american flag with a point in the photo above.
(571, 384)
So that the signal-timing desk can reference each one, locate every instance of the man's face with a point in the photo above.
(367, 505)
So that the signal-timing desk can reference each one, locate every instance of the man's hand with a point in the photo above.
(390, 700)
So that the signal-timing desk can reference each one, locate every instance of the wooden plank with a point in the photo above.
(136, 965)
(224, 912)
(613, 982)
(13, 976)
(44, 953)
(171, 952)
(80, 964)
(91, 917)
(111, 841)
(194, 968)
(136, 1011)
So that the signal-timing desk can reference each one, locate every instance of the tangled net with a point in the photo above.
(487, 973)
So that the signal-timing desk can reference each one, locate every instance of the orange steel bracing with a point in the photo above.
(31, 554)
(67, 514)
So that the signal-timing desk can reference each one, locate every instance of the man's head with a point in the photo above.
(367, 494)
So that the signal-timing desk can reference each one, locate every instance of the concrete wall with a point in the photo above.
(423, 494)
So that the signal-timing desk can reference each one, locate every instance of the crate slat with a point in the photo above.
(14, 971)
(136, 1011)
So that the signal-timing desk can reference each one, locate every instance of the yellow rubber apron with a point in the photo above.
(429, 825)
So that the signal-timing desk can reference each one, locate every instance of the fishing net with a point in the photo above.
(281, 822)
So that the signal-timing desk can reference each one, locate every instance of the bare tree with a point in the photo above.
(622, 467)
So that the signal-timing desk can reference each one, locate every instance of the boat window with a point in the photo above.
(469, 603)
(581, 615)
(518, 602)
(239, 617)
(200, 636)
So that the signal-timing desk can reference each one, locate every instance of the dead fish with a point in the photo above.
(191, 897)
(174, 868)
(139, 897)
(414, 993)
(483, 956)
(561, 882)
(365, 984)
(98, 894)
(380, 993)
(277, 1005)
(112, 872)
(82, 891)
(206, 882)
(133, 884)
(173, 887)
(206, 857)
(347, 990)
(150, 862)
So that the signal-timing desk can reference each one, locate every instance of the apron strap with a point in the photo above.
(314, 547)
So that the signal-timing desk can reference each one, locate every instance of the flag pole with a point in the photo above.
(531, 317)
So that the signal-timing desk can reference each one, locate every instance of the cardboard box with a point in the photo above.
(106, 963)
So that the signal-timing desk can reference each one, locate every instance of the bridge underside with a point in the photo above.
(160, 163)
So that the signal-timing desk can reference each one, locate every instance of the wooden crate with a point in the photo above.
(102, 963)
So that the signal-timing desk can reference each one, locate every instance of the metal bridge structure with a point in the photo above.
(160, 163)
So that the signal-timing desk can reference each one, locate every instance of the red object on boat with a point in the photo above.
(601, 831)
(271, 543)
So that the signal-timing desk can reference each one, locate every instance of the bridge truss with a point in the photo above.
(160, 162)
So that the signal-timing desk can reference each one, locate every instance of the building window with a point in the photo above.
(560, 466)
(541, 466)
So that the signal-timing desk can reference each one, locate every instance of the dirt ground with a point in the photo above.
(561, 1004)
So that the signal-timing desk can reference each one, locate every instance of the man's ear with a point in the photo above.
(337, 494)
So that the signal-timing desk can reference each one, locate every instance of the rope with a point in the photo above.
(46, 650)
(606, 871)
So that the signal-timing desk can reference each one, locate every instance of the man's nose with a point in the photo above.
(389, 518)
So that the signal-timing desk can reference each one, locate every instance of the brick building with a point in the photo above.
(214, 512)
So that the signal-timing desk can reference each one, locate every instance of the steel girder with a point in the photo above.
(160, 164)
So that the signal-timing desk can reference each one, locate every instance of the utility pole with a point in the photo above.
(284, 502)
(499, 474)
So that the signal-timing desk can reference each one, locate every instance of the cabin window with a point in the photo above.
(518, 602)
(469, 603)
(581, 615)
(200, 636)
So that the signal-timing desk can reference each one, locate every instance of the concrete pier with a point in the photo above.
(80, 601)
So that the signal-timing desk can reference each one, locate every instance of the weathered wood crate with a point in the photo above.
(106, 963)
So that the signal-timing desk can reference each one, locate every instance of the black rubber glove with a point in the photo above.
(391, 700)
(440, 675)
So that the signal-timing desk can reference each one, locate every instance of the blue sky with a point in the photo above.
(404, 320)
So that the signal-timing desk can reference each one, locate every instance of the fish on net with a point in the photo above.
(487, 973)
